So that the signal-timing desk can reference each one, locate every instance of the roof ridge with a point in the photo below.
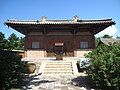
(98, 20)
(58, 20)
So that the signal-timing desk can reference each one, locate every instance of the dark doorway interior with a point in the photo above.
(59, 48)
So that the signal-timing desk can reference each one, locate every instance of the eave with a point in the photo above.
(93, 26)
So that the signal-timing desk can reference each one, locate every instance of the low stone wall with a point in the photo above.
(42, 53)
(81, 52)
(35, 53)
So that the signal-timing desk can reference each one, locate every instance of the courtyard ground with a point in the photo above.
(57, 82)
(40, 81)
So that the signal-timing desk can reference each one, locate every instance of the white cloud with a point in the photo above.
(111, 31)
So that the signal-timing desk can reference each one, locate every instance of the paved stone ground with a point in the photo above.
(58, 82)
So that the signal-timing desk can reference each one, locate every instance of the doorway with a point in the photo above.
(59, 50)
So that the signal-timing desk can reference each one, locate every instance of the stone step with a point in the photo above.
(54, 62)
(58, 68)
(58, 72)
(58, 64)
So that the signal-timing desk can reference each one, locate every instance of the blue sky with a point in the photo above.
(58, 9)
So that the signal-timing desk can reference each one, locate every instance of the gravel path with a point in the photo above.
(69, 82)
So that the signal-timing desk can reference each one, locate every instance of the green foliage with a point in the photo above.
(1, 36)
(118, 37)
(12, 43)
(105, 66)
(10, 70)
(3, 41)
(15, 42)
(97, 40)
(106, 36)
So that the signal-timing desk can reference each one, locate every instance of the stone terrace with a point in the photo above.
(49, 76)
(59, 82)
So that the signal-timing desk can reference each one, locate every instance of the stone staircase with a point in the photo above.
(58, 68)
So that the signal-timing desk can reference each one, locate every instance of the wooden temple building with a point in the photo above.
(69, 38)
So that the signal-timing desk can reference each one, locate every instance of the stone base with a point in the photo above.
(35, 53)
(81, 53)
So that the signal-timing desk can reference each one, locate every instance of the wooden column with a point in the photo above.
(45, 41)
(73, 41)
(25, 43)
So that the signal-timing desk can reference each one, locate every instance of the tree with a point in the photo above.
(106, 36)
(97, 40)
(3, 41)
(105, 65)
(11, 69)
(15, 42)
(118, 37)
(22, 40)
(2, 37)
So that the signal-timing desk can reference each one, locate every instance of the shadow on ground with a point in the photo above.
(83, 81)
(34, 81)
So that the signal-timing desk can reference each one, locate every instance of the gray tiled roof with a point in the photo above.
(60, 21)
(93, 26)
(109, 41)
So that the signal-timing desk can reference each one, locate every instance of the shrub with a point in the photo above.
(10, 70)
(105, 66)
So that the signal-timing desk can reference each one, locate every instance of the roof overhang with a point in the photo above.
(93, 26)
(109, 41)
